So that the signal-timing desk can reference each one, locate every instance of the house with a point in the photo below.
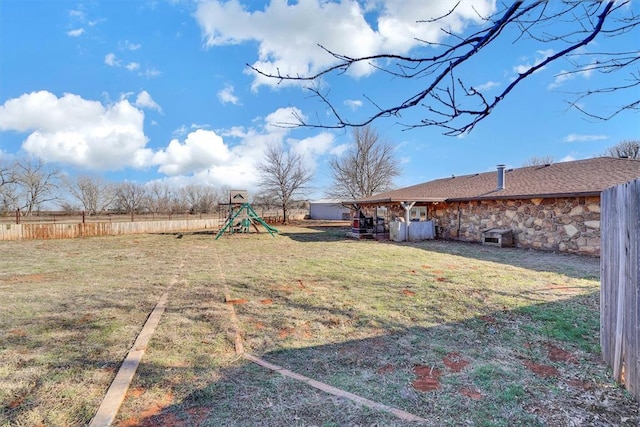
(328, 210)
(551, 207)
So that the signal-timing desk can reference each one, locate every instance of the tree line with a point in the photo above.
(368, 167)
(30, 185)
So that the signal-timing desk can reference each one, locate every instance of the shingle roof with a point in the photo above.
(578, 178)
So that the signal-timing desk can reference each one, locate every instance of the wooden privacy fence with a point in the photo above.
(620, 281)
(67, 231)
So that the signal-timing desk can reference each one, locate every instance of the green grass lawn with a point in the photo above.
(455, 333)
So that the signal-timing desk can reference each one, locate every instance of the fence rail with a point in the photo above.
(620, 281)
(68, 227)
(68, 231)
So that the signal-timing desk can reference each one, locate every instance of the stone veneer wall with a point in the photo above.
(558, 224)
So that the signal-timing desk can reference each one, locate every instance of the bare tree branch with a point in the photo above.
(456, 106)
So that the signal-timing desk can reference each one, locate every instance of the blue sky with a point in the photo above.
(160, 90)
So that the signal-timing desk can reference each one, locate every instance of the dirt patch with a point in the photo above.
(408, 293)
(545, 371)
(87, 318)
(258, 325)
(135, 392)
(580, 384)
(471, 393)
(442, 279)
(556, 354)
(426, 266)
(285, 333)
(16, 402)
(455, 362)
(267, 301)
(151, 416)
(237, 301)
(427, 378)
(17, 332)
(305, 331)
(385, 369)
(488, 319)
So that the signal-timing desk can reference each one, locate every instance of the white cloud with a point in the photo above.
(235, 132)
(92, 135)
(339, 150)
(111, 60)
(127, 45)
(283, 118)
(149, 73)
(226, 96)
(486, 86)
(353, 104)
(202, 149)
(339, 26)
(76, 131)
(541, 55)
(144, 100)
(77, 14)
(230, 157)
(313, 147)
(184, 130)
(75, 33)
(574, 137)
(567, 158)
(564, 75)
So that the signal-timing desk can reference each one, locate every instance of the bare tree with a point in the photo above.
(538, 161)
(201, 198)
(284, 175)
(368, 167)
(180, 201)
(94, 194)
(266, 201)
(159, 197)
(36, 184)
(561, 28)
(7, 174)
(625, 149)
(8, 197)
(130, 197)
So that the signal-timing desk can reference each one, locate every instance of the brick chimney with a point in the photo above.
(501, 177)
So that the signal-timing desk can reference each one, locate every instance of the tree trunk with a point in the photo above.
(284, 213)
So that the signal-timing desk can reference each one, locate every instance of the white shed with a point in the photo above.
(328, 210)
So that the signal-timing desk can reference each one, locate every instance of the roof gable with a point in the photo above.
(577, 178)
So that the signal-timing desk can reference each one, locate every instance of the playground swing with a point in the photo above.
(246, 214)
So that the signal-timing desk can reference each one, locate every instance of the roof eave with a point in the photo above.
(527, 196)
(387, 200)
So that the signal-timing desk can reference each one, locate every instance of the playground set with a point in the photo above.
(242, 216)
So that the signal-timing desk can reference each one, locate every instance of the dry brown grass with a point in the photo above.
(492, 336)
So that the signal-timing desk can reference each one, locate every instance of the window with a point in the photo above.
(418, 213)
